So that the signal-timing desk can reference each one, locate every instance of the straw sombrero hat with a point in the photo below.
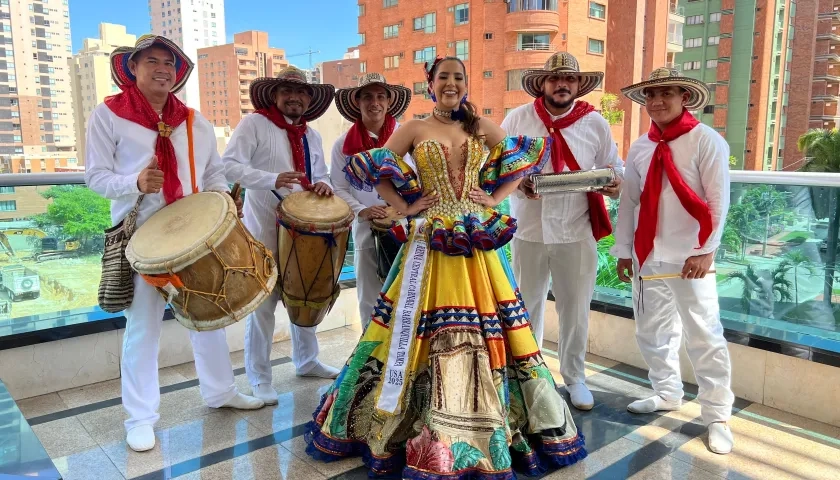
(664, 77)
(562, 63)
(262, 92)
(347, 102)
(120, 57)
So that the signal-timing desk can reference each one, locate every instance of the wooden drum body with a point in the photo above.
(203, 260)
(313, 234)
(386, 246)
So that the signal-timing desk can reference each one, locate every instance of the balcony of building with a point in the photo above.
(824, 70)
(60, 357)
(827, 91)
(532, 16)
(528, 55)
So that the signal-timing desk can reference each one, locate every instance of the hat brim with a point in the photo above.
(532, 81)
(348, 105)
(262, 95)
(122, 75)
(699, 91)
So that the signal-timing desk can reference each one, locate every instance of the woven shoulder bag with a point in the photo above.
(116, 287)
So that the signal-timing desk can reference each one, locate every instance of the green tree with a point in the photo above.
(739, 219)
(610, 109)
(822, 154)
(607, 275)
(733, 162)
(797, 260)
(754, 286)
(78, 211)
(768, 202)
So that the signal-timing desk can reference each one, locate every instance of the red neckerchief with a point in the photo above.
(359, 140)
(131, 105)
(663, 162)
(295, 134)
(561, 155)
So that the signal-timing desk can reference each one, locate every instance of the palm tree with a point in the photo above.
(797, 260)
(755, 286)
(822, 154)
(767, 202)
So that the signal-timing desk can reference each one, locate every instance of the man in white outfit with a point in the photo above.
(373, 107)
(557, 234)
(129, 154)
(274, 151)
(670, 222)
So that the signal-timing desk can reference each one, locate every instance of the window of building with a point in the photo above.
(420, 88)
(534, 41)
(361, 10)
(392, 61)
(693, 42)
(7, 190)
(488, 111)
(709, 109)
(425, 55)
(488, 36)
(595, 46)
(8, 206)
(18, 138)
(711, 63)
(714, 17)
(421, 116)
(462, 13)
(391, 31)
(694, 20)
(713, 40)
(361, 39)
(427, 23)
(488, 74)
(363, 67)
(389, 3)
(462, 49)
(596, 10)
(514, 80)
(691, 66)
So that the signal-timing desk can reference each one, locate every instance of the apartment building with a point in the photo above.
(225, 72)
(498, 40)
(342, 73)
(90, 71)
(36, 114)
(743, 51)
(192, 24)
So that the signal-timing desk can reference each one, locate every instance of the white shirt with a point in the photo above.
(702, 158)
(561, 218)
(259, 150)
(118, 149)
(357, 199)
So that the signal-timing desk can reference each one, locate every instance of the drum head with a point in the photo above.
(385, 223)
(311, 207)
(178, 228)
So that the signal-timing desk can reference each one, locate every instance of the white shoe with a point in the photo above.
(141, 438)
(720, 438)
(266, 393)
(581, 396)
(653, 404)
(244, 402)
(322, 371)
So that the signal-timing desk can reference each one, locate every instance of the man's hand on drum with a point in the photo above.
(322, 189)
(370, 213)
(424, 202)
(288, 180)
(150, 179)
(238, 202)
(612, 190)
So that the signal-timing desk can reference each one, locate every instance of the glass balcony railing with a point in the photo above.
(525, 5)
(777, 269)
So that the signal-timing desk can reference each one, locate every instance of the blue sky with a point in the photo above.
(330, 26)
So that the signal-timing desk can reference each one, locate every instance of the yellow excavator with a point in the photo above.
(50, 248)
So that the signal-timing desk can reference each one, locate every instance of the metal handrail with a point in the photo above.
(39, 179)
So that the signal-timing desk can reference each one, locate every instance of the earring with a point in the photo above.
(464, 100)
(434, 99)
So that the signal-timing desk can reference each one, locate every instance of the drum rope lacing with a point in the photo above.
(251, 271)
(294, 233)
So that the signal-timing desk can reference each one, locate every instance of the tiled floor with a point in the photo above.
(82, 431)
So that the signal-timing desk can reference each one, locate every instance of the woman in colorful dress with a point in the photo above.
(447, 380)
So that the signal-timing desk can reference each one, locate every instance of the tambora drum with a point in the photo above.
(386, 247)
(200, 257)
(313, 233)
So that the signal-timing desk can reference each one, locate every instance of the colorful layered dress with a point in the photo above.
(447, 381)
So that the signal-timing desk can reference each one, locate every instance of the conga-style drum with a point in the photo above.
(313, 234)
(203, 261)
(386, 247)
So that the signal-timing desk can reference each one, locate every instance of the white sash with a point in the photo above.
(404, 321)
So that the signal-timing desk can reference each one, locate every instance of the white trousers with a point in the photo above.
(571, 268)
(139, 363)
(368, 285)
(667, 309)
